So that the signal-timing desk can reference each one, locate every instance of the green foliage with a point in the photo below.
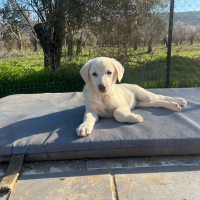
(28, 75)
(17, 76)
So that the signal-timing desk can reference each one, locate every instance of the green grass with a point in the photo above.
(27, 74)
(151, 73)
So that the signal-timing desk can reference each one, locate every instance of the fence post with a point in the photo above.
(169, 42)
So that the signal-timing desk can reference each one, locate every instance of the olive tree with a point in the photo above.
(50, 28)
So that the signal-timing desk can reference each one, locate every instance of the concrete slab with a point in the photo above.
(166, 183)
(79, 185)
(135, 177)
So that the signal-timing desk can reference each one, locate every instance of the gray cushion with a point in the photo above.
(43, 126)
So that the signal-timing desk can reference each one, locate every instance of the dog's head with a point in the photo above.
(102, 73)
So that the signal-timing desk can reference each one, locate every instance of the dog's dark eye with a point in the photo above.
(109, 73)
(94, 74)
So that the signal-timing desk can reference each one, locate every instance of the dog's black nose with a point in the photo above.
(101, 87)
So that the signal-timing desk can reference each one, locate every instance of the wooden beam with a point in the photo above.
(12, 173)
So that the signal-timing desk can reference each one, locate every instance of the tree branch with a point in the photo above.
(25, 17)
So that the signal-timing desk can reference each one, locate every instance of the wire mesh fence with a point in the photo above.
(185, 61)
(135, 32)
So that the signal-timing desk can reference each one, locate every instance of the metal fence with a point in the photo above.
(185, 59)
(157, 41)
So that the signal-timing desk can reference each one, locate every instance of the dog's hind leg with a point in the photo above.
(160, 103)
(143, 95)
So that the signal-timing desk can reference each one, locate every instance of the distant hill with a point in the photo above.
(192, 18)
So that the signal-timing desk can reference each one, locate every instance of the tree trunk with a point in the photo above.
(165, 42)
(35, 45)
(65, 46)
(125, 52)
(19, 42)
(79, 46)
(149, 47)
(19, 45)
(19, 39)
(135, 46)
(70, 49)
(52, 56)
(51, 44)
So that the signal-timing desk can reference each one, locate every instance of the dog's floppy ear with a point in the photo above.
(119, 69)
(85, 71)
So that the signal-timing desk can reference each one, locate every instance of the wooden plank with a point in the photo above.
(12, 173)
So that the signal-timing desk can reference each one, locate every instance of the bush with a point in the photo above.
(16, 78)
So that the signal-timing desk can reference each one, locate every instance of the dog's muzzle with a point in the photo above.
(102, 88)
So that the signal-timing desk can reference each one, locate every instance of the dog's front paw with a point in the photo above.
(84, 129)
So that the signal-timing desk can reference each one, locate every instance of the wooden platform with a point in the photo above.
(10, 178)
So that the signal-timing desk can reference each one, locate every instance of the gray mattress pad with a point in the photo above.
(43, 127)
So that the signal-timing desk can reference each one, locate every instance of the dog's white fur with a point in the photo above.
(116, 99)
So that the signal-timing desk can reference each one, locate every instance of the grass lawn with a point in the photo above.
(151, 73)
(27, 74)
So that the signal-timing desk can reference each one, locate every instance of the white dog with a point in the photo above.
(104, 98)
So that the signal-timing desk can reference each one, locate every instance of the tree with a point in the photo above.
(34, 41)
(191, 31)
(125, 22)
(84, 36)
(198, 34)
(75, 21)
(179, 32)
(50, 29)
(13, 20)
(154, 30)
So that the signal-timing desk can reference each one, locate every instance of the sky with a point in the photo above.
(186, 5)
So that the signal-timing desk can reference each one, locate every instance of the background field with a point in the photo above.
(43, 45)
(25, 72)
